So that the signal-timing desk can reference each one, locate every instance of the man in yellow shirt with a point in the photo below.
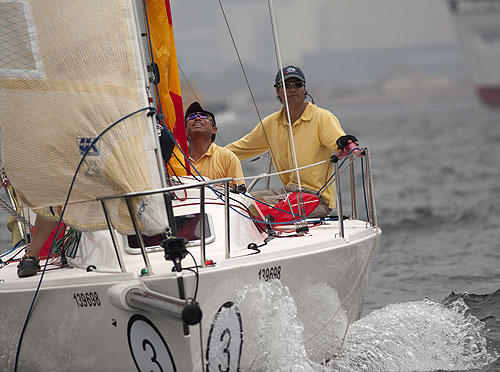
(209, 159)
(316, 133)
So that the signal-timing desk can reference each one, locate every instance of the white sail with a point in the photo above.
(68, 70)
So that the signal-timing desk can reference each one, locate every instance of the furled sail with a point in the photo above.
(69, 70)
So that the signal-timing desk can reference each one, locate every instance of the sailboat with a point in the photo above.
(168, 273)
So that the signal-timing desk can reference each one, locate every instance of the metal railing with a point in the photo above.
(128, 198)
(369, 195)
(369, 190)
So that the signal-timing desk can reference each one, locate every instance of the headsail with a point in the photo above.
(68, 70)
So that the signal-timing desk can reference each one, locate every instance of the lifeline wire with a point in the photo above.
(219, 196)
(243, 178)
(327, 184)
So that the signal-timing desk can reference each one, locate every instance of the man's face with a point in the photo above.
(295, 91)
(200, 125)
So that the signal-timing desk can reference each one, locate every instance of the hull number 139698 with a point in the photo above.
(87, 299)
(269, 273)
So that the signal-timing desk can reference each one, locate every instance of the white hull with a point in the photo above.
(96, 70)
(326, 277)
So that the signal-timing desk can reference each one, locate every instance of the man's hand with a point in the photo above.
(348, 144)
(343, 141)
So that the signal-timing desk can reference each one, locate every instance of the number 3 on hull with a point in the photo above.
(147, 346)
(225, 340)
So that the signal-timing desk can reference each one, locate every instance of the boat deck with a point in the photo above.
(320, 237)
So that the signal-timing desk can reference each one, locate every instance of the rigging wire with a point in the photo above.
(248, 85)
(280, 67)
(257, 110)
(83, 157)
(6, 207)
(32, 305)
(220, 138)
(238, 212)
(290, 133)
(291, 141)
(187, 82)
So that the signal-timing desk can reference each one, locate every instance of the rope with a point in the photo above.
(331, 180)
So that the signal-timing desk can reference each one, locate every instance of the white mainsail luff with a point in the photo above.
(68, 70)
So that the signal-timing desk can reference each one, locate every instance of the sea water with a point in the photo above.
(434, 299)
(421, 335)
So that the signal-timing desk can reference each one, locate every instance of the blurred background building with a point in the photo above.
(351, 51)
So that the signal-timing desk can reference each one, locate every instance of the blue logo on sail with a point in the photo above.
(85, 143)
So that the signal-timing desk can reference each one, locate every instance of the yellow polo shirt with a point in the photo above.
(315, 134)
(218, 162)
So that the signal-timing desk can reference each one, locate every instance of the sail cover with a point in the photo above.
(68, 70)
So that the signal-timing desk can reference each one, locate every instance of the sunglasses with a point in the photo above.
(200, 115)
(297, 84)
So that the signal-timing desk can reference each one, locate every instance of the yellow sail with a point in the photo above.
(68, 71)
